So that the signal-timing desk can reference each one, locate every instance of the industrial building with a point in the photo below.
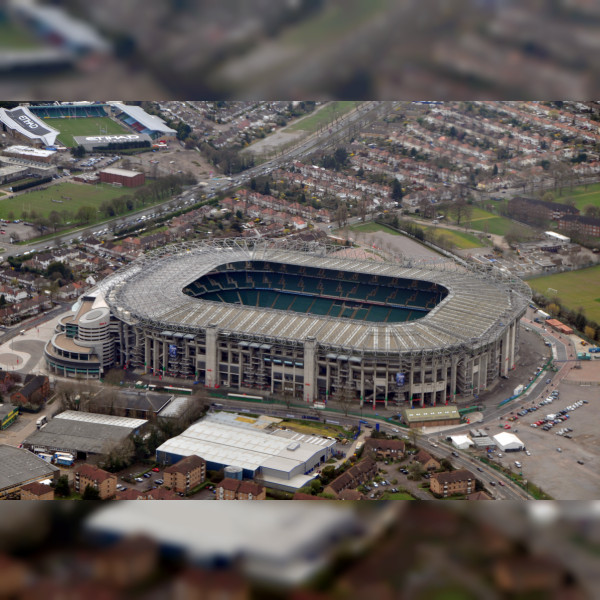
(276, 316)
(85, 435)
(285, 543)
(19, 467)
(123, 177)
(29, 153)
(280, 459)
(435, 416)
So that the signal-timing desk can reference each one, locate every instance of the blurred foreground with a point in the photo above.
(300, 550)
(315, 49)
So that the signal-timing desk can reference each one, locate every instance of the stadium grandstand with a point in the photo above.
(26, 126)
(69, 110)
(276, 316)
(137, 119)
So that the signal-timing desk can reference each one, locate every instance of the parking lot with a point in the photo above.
(558, 472)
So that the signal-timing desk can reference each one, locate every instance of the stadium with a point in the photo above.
(284, 317)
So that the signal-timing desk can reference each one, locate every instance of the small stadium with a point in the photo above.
(301, 318)
(77, 120)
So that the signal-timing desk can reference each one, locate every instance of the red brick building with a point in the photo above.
(186, 474)
(123, 176)
(37, 491)
(234, 489)
(103, 481)
(35, 390)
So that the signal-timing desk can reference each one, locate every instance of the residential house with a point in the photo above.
(35, 390)
(103, 481)
(582, 225)
(522, 576)
(360, 473)
(37, 491)
(350, 495)
(186, 474)
(159, 493)
(450, 483)
(127, 563)
(196, 584)
(234, 489)
(382, 448)
(427, 461)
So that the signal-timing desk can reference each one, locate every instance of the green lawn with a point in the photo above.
(373, 228)
(397, 496)
(14, 37)
(73, 196)
(336, 19)
(482, 220)
(461, 240)
(574, 289)
(582, 197)
(83, 126)
(322, 116)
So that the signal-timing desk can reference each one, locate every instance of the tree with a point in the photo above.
(345, 396)
(553, 309)
(85, 214)
(55, 219)
(589, 332)
(90, 493)
(495, 170)
(397, 192)
(78, 151)
(415, 471)
(461, 210)
(62, 488)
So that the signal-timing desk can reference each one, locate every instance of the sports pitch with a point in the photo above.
(83, 126)
(61, 197)
(574, 289)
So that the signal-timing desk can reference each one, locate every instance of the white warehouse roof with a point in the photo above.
(461, 441)
(99, 419)
(508, 441)
(247, 448)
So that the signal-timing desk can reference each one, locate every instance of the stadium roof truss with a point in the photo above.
(480, 303)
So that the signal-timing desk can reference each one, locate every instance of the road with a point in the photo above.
(346, 126)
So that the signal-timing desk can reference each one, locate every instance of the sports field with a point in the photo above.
(582, 197)
(61, 197)
(574, 289)
(373, 228)
(459, 239)
(482, 220)
(323, 116)
(84, 126)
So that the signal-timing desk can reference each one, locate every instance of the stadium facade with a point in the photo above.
(302, 319)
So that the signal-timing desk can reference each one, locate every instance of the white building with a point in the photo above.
(462, 442)
(281, 459)
(508, 442)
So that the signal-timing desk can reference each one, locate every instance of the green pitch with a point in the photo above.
(83, 126)
(574, 289)
(321, 117)
(69, 197)
(581, 196)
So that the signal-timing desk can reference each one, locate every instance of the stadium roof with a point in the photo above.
(478, 307)
(19, 466)
(26, 123)
(151, 122)
(249, 449)
(54, 19)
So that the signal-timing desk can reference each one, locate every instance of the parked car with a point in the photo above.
(156, 469)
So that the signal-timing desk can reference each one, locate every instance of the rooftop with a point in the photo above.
(19, 466)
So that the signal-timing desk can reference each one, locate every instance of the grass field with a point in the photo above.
(337, 19)
(78, 194)
(459, 239)
(322, 117)
(314, 428)
(373, 228)
(582, 197)
(574, 289)
(15, 38)
(397, 496)
(482, 220)
(84, 126)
